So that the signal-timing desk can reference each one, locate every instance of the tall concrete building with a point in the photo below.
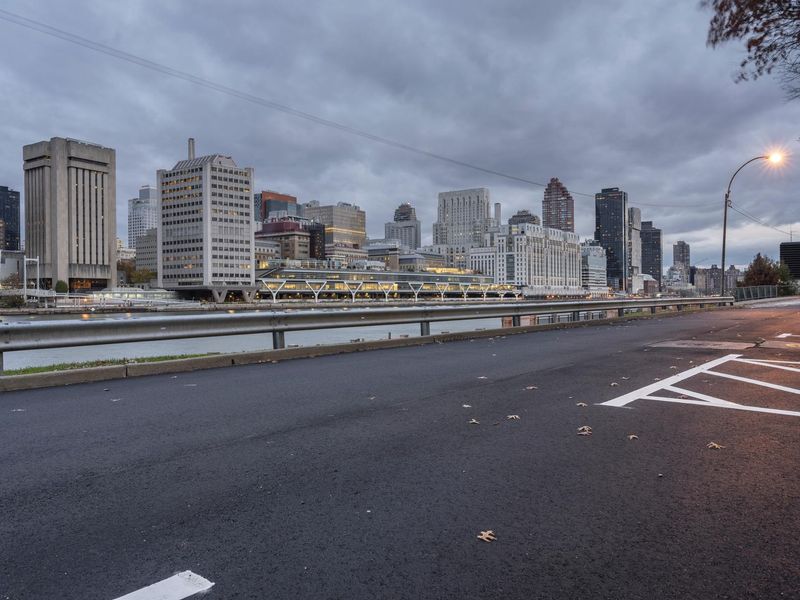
(681, 259)
(558, 207)
(345, 229)
(542, 261)
(9, 218)
(205, 228)
(405, 227)
(611, 233)
(652, 252)
(524, 216)
(635, 281)
(142, 213)
(70, 212)
(463, 217)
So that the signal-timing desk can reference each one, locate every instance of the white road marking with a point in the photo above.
(785, 335)
(774, 386)
(177, 587)
(660, 385)
(703, 344)
(767, 364)
(650, 392)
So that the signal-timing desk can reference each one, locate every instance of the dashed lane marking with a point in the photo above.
(649, 392)
(177, 587)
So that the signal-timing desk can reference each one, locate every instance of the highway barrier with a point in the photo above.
(61, 334)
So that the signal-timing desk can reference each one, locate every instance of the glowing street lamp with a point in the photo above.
(774, 158)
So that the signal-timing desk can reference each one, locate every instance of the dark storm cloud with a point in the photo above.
(604, 94)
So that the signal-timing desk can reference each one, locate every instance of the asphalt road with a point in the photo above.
(359, 475)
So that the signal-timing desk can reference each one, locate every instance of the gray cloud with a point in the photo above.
(620, 93)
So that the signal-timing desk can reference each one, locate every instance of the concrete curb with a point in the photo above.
(58, 378)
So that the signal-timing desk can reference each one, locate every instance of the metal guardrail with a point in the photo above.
(60, 334)
(755, 292)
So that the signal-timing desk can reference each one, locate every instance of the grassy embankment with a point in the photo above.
(99, 363)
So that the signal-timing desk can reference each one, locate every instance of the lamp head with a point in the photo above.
(775, 158)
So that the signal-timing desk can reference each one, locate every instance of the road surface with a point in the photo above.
(361, 476)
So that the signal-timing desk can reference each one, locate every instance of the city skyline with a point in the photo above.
(668, 158)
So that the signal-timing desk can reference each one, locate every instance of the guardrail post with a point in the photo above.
(576, 315)
(425, 328)
(653, 310)
(516, 321)
(278, 340)
(1, 363)
(620, 312)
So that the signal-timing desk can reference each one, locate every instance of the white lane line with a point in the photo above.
(654, 387)
(774, 386)
(765, 364)
(699, 396)
(785, 335)
(177, 587)
(730, 405)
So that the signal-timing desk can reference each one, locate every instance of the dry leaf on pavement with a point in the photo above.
(487, 536)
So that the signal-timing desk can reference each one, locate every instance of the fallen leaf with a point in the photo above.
(626, 378)
(633, 436)
(673, 367)
(371, 398)
(656, 378)
(584, 433)
(512, 417)
(714, 446)
(487, 536)
(482, 377)
(474, 422)
(531, 387)
(613, 384)
(584, 429)
(581, 404)
(466, 406)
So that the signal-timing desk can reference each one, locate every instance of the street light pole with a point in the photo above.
(775, 158)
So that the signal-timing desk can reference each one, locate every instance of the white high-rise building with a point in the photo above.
(594, 278)
(542, 261)
(205, 229)
(463, 218)
(142, 213)
(636, 282)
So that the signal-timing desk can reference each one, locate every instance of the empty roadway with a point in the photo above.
(360, 476)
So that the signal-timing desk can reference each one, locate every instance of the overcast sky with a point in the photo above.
(600, 94)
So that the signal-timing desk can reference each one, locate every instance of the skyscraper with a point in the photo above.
(405, 227)
(681, 259)
(635, 250)
(70, 212)
(652, 252)
(558, 207)
(345, 229)
(205, 229)
(142, 214)
(463, 217)
(611, 233)
(9, 216)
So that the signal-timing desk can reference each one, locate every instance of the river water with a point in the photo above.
(222, 344)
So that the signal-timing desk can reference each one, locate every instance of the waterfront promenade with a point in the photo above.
(364, 476)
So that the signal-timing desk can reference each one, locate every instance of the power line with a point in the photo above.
(166, 70)
(757, 220)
